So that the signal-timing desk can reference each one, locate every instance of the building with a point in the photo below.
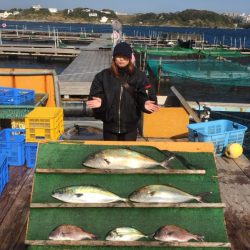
(108, 12)
(36, 7)
(53, 10)
(93, 14)
(103, 19)
(5, 14)
(86, 10)
(121, 13)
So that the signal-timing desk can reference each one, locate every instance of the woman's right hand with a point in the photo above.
(96, 102)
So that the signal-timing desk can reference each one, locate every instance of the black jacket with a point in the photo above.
(121, 107)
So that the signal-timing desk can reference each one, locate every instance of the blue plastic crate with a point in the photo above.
(219, 132)
(30, 154)
(13, 96)
(12, 143)
(4, 174)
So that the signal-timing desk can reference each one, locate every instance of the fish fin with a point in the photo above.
(166, 161)
(130, 203)
(185, 162)
(150, 236)
(124, 199)
(106, 160)
(78, 195)
(152, 193)
(200, 196)
(200, 238)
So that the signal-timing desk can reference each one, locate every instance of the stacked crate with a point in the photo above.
(4, 174)
(43, 123)
(12, 143)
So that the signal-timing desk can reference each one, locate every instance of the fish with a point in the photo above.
(125, 234)
(85, 194)
(69, 232)
(173, 233)
(123, 158)
(69, 133)
(162, 194)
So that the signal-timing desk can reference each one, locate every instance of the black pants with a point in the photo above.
(130, 136)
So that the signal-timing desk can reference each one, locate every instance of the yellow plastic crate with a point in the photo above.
(44, 123)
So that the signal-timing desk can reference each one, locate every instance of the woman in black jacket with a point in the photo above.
(118, 96)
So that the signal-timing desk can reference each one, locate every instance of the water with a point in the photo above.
(58, 66)
(231, 37)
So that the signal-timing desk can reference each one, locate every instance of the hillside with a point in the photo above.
(190, 17)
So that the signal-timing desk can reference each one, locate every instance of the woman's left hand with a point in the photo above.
(151, 106)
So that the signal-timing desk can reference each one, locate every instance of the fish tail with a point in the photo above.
(124, 199)
(164, 163)
(199, 237)
(150, 236)
(91, 236)
(201, 196)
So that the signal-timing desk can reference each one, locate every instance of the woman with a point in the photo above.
(118, 95)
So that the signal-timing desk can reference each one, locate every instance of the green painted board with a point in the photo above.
(70, 156)
(120, 248)
(122, 185)
(99, 221)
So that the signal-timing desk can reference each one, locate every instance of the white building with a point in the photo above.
(106, 12)
(53, 10)
(86, 10)
(16, 13)
(121, 13)
(93, 14)
(103, 19)
(36, 7)
(5, 14)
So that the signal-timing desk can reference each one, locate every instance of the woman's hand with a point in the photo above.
(151, 106)
(96, 102)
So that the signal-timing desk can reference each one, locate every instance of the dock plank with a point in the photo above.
(78, 76)
(235, 193)
(14, 206)
(17, 178)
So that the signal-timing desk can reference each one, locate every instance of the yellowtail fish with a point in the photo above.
(123, 158)
(173, 233)
(85, 194)
(161, 194)
(125, 234)
(70, 232)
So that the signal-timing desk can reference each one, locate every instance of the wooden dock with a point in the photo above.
(76, 79)
(38, 51)
(234, 181)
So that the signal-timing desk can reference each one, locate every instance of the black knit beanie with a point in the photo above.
(122, 49)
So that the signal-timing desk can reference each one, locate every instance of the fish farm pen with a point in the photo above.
(61, 159)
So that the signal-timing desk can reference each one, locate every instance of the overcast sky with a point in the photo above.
(135, 6)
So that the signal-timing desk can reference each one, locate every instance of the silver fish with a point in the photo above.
(70, 232)
(174, 233)
(85, 194)
(162, 194)
(125, 234)
(122, 158)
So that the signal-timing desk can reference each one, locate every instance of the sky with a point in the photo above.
(136, 6)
